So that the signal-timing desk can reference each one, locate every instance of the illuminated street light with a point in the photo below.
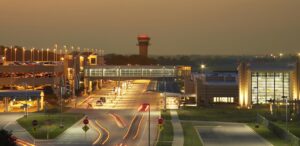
(47, 54)
(31, 54)
(38, 55)
(280, 55)
(42, 54)
(23, 54)
(65, 48)
(62, 59)
(11, 53)
(5, 49)
(3, 58)
(15, 54)
(55, 54)
(203, 66)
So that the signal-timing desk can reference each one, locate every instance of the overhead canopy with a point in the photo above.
(20, 94)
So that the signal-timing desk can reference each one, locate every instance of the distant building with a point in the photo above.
(217, 88)
(143, 43)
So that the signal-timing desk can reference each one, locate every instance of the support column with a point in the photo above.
(85, 84)
(90, 87)
(38, 104)
(97, 84)
(101, 83)
(6, 104)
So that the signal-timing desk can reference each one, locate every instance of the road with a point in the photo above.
(229, 134)
(118, 120)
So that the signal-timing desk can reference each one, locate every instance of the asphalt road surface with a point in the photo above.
(229, 134)
(118, 119)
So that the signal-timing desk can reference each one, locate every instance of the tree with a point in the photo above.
(6, 138)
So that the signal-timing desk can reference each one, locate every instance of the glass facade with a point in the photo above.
(131, 72)
(269, 85)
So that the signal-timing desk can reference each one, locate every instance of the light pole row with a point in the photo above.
(56, 52)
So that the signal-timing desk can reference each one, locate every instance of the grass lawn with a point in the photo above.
(218, 114)
(268, 135)
(293, 127)
(166, 135)
(54, 130)
(166, 115)
(191, 137)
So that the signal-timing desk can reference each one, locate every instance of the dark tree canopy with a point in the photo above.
(6, 138)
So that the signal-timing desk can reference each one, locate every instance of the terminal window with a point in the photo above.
(269, 85)
(223, 99)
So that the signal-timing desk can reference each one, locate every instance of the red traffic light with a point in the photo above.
(85, 121)
(160, 121)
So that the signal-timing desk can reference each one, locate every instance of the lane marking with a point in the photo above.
(137, 132)
(129, 127)
(99, 133)
(104, 129)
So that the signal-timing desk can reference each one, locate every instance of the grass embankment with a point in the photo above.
(191, 137)
(166, 134)
(53, 129)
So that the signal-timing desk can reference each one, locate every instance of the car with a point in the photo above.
(99, 103)
(103, 99)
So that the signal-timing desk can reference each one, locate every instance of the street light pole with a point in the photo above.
(149, 126)
(42, 54)
(47, 53)
(5, 49)
(15, 54)
(286, 111)
(23, 54)
(11, 59)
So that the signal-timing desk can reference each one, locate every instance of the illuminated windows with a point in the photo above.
(269, 85)
(223, 99)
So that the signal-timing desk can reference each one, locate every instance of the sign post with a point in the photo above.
(34, 124)
(85, 128)
(160, 123)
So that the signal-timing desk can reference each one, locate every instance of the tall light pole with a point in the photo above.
(15, 54)
(5, 49)
(23, 54)
(42, 54)
(202, 66)
(55, 54)
(286, 111)
(31, 54)
(47, 54)
(11, 58)
(38, 55)
(66, 49)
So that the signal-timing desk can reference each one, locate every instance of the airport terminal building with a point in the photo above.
(262, 83)
(253, 83)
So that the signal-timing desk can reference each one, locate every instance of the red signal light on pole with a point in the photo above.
(160, 121)
(85, 121)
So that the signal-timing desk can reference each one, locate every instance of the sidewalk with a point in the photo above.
(178, 137)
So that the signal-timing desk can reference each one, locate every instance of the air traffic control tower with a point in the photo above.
(143, 43)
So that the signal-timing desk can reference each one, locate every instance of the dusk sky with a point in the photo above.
(175, 26)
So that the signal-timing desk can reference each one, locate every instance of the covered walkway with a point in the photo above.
(21, 100)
